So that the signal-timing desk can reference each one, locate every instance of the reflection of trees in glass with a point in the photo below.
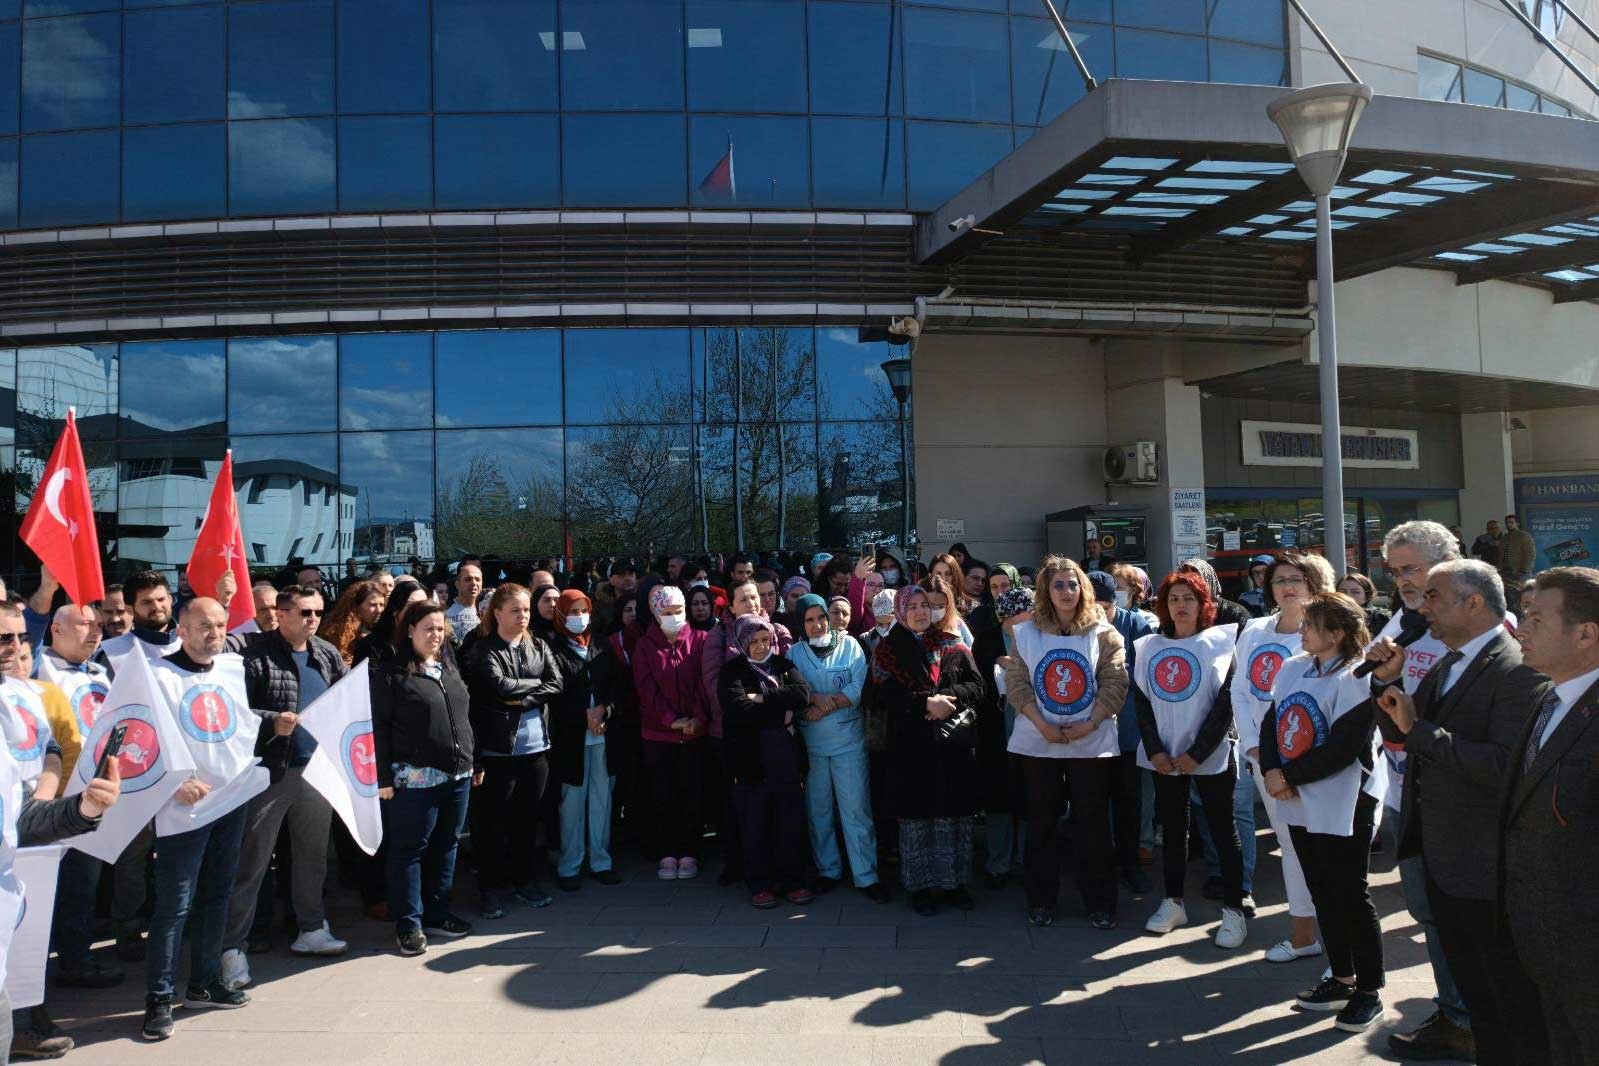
(484, 510)
(630, 488)
(861, 491)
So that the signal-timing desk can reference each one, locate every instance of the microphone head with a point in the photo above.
(1413, 626)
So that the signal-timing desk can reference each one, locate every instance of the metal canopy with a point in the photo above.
(1153, 174)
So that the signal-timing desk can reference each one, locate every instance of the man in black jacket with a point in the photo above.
(1459, 731)
(1548, 865)
(284, 672)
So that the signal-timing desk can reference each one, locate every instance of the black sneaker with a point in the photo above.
(29, 1043)
(411, 942)
(157, 1017)
(607, 877)
(1360, 1012)
(877, 892)
(1248, 905)
(995, 882)
(960, 899)
(569, 884)
(88, 974)
(823, 885)
(1040, 917)
(923, 902)
(215, 994)
(533, 895)
(1328, 996)
(447, 928)
(492, 906)
(1102, 920)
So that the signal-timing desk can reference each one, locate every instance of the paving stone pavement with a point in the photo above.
(687, 972)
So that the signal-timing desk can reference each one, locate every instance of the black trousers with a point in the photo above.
(1335, 872)
(1127, 809)
(1172, 808)
(1088, 783)
(720, 806)
(677, 783)
(882, 817)
(509, 804)
(1570, 1010)
(1498, 992)
(771, 826)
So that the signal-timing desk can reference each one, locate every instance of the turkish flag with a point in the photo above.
(720, 183)
(219, 548)
(60, 523)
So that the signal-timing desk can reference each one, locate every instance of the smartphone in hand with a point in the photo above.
(113, 745)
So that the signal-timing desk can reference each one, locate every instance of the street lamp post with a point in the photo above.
(898, 372)
(1317, 124)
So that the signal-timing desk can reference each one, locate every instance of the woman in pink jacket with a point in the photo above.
(674, 718)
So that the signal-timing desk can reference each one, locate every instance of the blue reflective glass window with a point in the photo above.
(858, 162)
(956, 65)
(1187, 16)
(981, 5)
(8, 181)
(856, 62)
(1044, 78)
(391, 475)
(73, 179)
(10, 64)
(280, 59)
(290, 499)
(72, 73)
(768, 166)
(10, 9)
(158, 3)
(761, 374)
(42, 8)
(174, 171)
(629, 487)
(862, 490)
(494, 55)
(945, 158)
(1093, 10)
(1243, 64)
(383, 56)
(173, 387)
(1148, 54)
(853, 384)
(619, 55)
(282, 384)
(506, 377)
(620, 160)
(281, 166)
(496, 161)
(386, 381)
(174, 65)
(627, 375)
(385, 163)
(500, 493)
(746, 55)
(1259, 21)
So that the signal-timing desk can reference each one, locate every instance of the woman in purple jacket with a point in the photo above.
(674, 719)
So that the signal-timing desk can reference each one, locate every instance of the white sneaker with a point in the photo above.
(318, 942)
(1284, 951)
(235, 970)
(1233, 929)
(1169, 916)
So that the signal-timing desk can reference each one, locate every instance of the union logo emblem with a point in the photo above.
(140, 752)
(1175, 673)
(1300, 725)
(1064, 682)
(1264, 662)
(207, 714)
(360, 757)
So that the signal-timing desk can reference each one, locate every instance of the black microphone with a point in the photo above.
(1412, 628)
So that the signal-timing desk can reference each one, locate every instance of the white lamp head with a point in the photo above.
(1317, 124)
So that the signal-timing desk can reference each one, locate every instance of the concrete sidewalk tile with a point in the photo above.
(917, 1051)
(665, 914)
(746, 960)
(751, 1019)
(591, 1049)
(701, 936)
(903, 1010)
(820, 912)
(804, 935)
(834, 1049)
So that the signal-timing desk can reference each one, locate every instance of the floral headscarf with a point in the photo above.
(745, 630)
(1018, 600)
(663, 596)
(910, 658)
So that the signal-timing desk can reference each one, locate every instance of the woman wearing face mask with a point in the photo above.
(674, 720)
(946, 615)
(1318, 749)
(834, 729)
(693, 576)
(1184, 715)
(1068, 680)
(701, 608)
(889, 569)
(514, 677)
(1265, 645)
(927, 683)
(1000, 770)
(762, 694)
(594, 684)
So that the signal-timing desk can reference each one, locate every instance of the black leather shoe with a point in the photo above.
(877, 892)
(924, 903)
(1435, 1039)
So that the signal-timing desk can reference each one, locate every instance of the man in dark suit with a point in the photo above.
(1549, 862)
(1459, 731)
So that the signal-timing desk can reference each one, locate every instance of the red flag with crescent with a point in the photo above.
(219, 548)
(60, 523)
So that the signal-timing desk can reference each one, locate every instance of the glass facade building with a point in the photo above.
(721, 434)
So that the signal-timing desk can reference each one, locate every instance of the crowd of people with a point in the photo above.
(930, 729)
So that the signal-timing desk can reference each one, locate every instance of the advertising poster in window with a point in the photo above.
(1562, 514)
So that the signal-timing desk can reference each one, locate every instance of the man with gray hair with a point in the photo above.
(1459, 728)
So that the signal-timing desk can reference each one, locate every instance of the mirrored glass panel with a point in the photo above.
(79, 376)
(627, 375)
(383, 56)
(1185, 16)
(72, 73)
(10, 75)
(755, 163)
(174, 387)
(72, 178)
(623, 160)
(385, 163)
(8, 181)
(1147, 54)
(619, 55)
(956, 65)
(1044, 78)
(282, 384)
(856, 60)
(494, 55)
(280, 59)
(850, 376)
(500, 493)
(1256, 21)
(390, 477)
(163, 487)
(861, 494)
(386, 381)
(496, 161)
(858, 162)
(292, 504)
(746, 55)
(174, 171)
(945, 157)
(756, 375)
(631, 488)
(175, 65)
(524, 366)
(281, 166)
(1243, 64)
(778, 484)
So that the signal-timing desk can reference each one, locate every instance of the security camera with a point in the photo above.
(965, 221)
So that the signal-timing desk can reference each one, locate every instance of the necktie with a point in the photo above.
(1546, 711)
(1445, 665)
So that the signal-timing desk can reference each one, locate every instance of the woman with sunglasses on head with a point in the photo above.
(1318, 748)
(1265, 645)
(1184, 720)
(1068, 680)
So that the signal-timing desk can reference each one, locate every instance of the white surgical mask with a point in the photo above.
(882, 631)
(671, 623)
(890, 577)
(938, 614)
(577, 623)
(699, 583)
(1123, 598)
(822, 641)
(763, 659)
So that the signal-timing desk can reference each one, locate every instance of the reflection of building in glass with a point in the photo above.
(853, 507)
(393, 542)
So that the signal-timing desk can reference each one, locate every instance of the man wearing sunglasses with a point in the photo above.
(285, 670)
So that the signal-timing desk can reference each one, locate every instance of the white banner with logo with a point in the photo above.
(344, 767)
(37, 869)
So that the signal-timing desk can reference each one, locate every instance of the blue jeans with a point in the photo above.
(1413, 879)
(424, 826)
(1007, 840)
(586, 817)
(842, 778)
(193, 873)
(1243, 817)
(76, 888)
